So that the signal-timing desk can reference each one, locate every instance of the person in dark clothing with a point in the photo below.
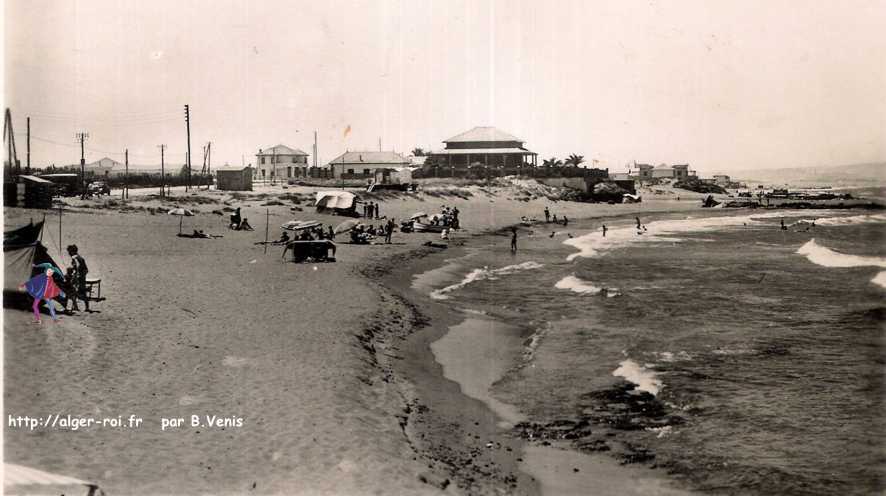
(513, 240)
(244, 225)
(638, 223)
(78, 263)
(547, 215)
(565, 221)
(376, 211)
(235, 220)
(604, 230)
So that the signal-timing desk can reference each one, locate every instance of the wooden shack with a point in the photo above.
(234, 178)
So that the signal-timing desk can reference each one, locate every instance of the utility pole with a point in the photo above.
(28, 163)
(188, 127)
(162, 171)
(82, 136)
(209, 164)
(126, 174)
(274, 169)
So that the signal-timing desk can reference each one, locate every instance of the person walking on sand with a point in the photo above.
(783, 227)
(604, 230)
(565, 221)
(547, 215)
(42, 287)
(513, 240)
(638, 223)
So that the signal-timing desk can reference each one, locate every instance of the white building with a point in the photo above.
(279, 162)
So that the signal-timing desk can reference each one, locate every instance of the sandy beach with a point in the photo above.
(320, 361)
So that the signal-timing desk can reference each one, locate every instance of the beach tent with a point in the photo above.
(22, 250)
(342, 202)
(21, 480)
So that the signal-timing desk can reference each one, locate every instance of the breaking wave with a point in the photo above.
(645, 379)
(850, 220)
(826, 257)
(484, 273)
(577, 285)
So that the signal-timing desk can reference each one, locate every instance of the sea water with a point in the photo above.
(735, 355)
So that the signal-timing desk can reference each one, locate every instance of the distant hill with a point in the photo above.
(836, 176)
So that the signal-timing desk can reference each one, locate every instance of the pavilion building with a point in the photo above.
(484, 146)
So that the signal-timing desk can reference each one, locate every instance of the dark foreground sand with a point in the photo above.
(336, 391)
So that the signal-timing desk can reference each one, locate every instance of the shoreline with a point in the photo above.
(471, 437)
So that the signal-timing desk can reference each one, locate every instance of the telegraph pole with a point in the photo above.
(126, 174)
(82, 136)
(162, 171)
(209, 164)
(29, 147)
(188, 127)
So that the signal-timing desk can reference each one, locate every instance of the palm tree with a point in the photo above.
(575, 160)
(552, 162)
(418, 152)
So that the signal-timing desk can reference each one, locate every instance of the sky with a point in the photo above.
(723, 86)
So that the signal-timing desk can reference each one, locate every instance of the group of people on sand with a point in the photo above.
(50, 283)
(448, 217)
(370, 210)
(362, 235)
(549, 218)
(239, 223)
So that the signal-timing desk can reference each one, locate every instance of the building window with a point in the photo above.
(262, 173)
(293, 159)
(262, 159)
(365, 172)
(289, 172)
(350, 171)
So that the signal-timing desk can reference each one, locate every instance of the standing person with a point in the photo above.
(78, 263)
(638, 223)
(235, 220)
(783, 227)
(43, 288)
(376, 212)
(604, 230)
(331, 232)
(547, 215)
(389, 231)
(514, 239)
(565, 221)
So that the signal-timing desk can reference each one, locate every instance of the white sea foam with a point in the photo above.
(484, 273)
(880, 279)
(577, 285)
(850, 220)
(670, 357)
(592, 244)
(644, 378)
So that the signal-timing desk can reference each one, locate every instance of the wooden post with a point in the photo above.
(126, 174)
(267, 227)
(60, 229)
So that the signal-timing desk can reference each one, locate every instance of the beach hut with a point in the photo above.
(339, 202)
(21, 480)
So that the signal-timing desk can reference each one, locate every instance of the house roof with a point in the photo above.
(480, 133)
(481, 151)
(280, 150)
(359, 157)
(232, 168)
